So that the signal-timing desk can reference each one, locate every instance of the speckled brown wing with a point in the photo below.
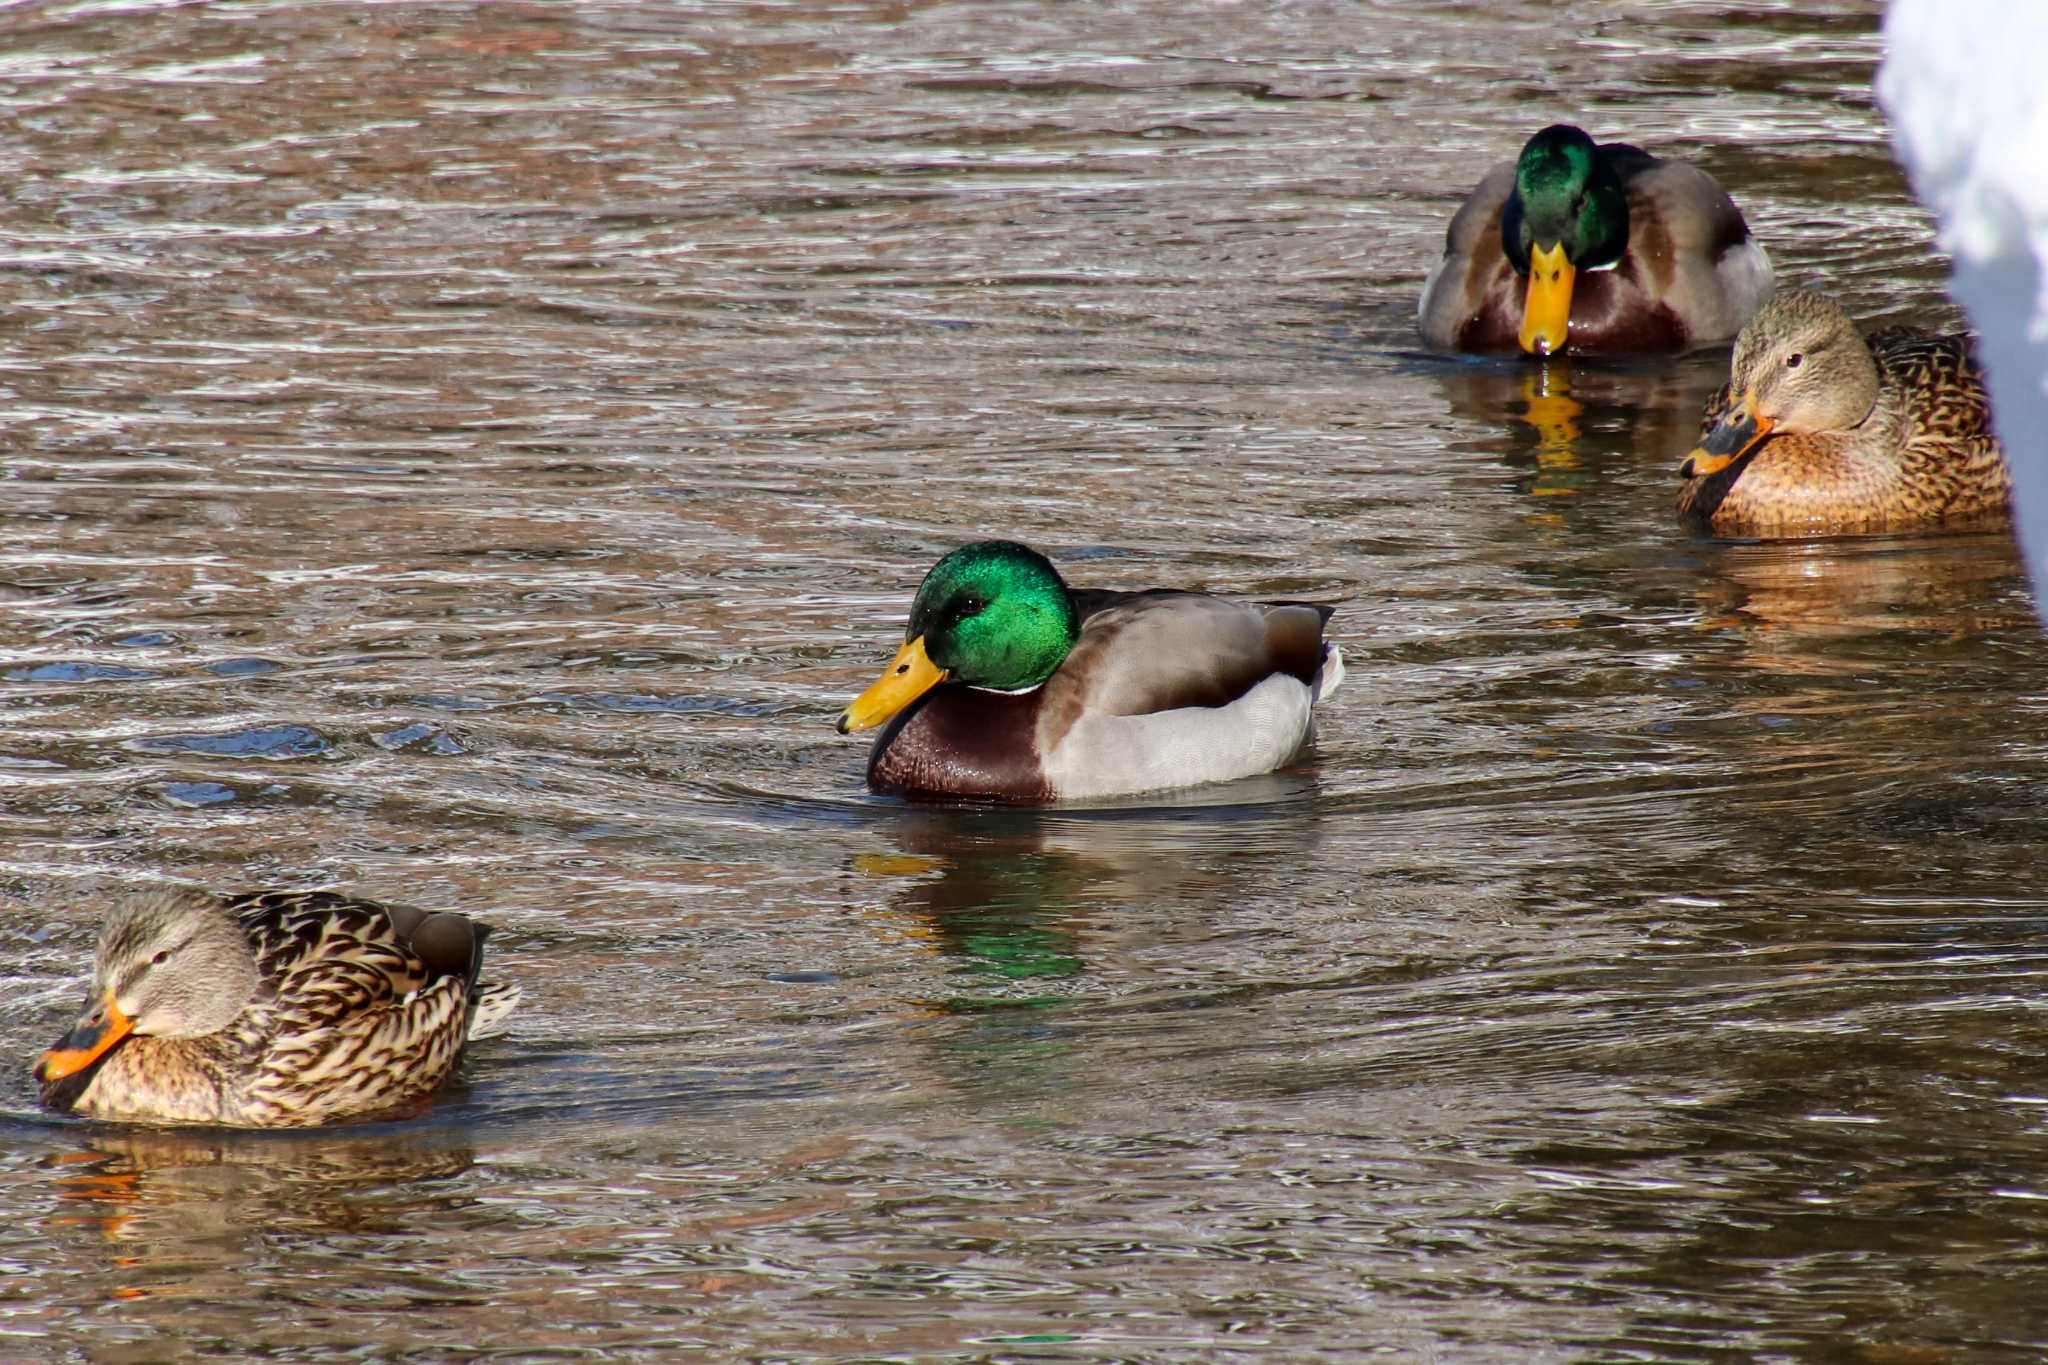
(359, 1020)
(1939, 374)
(1952, 458)
(1953, 468)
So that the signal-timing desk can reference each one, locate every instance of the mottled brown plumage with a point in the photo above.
(1820, 432)
(271, 1009)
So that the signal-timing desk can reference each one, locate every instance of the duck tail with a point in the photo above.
(489, 1006)
(1330, 674)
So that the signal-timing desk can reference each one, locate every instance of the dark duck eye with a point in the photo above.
(1794, 361)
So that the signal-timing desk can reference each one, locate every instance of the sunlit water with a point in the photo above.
(469, 453)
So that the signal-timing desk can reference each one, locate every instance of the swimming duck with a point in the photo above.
(274, 1009)
(1593, 250)
(1821, 432)
(1012, 686)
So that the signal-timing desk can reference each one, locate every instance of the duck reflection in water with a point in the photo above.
(981, 889)
(1036, 913)
(1026, 896)
(1562, 415)
(185, 1205)
(1548, 407)
(1793, 597)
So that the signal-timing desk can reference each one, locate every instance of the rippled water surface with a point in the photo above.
(469, 453)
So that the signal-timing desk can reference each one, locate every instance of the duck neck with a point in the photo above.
(1881, 434)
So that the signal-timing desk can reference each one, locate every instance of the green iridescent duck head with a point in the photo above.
(993, 614)
(1568, 213)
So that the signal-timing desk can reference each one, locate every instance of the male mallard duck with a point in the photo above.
(276, 1009)
(1055, 693)
(1593, 250)
(1821, 432)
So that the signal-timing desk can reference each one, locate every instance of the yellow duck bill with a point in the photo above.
(910, 676)
(1547, 305)
(1739, 431)
(93, 1038)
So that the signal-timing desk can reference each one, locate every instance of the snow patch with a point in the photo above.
(1966, 85)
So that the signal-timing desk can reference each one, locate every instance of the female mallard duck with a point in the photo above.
(1593, 250)
(1820, 432)
(271, 1010)
(1059, 694)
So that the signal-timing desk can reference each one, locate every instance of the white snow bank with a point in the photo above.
(1966, 85)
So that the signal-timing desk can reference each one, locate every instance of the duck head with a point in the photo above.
(1568, 213)
(993, 614)
(170, 965)
(1800, 367)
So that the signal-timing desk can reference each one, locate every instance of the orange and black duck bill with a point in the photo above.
(1741, 429)
(92, 1038)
